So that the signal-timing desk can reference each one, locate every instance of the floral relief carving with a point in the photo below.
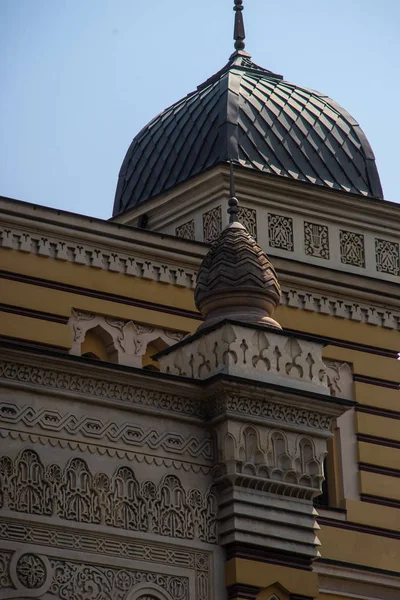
(186, 230)
(212, 224)
(280, 232)
(316, 240)
(76, 494)
(352, 250)
(387, 256)
(31, 571)
(70, 580)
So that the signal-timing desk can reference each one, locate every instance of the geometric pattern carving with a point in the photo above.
(76, 494)
(248, 218)
(387, 257)
(186, 231)
(280, 232)
(100, 388)
(88, 541)
(352, 249)
(127, 432)
(316, 240)
(212, 224)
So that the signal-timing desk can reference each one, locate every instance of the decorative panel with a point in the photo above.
(248, 218)
(212, 224)
(387, 257)
(186, 230)
(316, 240)
(280, 232)
(352, 250)
(75, 493)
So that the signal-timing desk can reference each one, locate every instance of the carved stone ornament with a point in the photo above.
(212, 224)
(352, 251)
(186, 231)
(236, 280)
(280, 232)
(75, 493)
(259, 354)
(126, 341)
(316, 240)
(31, 575)
(387, 257)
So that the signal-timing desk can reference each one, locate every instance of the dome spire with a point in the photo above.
(238, 32)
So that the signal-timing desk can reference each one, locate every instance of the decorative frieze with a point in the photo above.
(65, 381)
(280, 232)
(75, 493)
(34, 575)
(253, 353)
(186, 230)
(212, 224)
(248, 218)
(316, 240)
(126, 341)
(352, 251)
(387, 257)
(112, 433)
(99, 258)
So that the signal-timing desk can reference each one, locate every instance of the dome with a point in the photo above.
(237, 281)
(252, 116)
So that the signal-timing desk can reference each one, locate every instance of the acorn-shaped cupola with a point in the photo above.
(236, 279)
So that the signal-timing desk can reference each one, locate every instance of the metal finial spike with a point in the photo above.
(233, 203)
(239, 33)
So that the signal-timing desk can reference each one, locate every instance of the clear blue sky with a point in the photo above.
(79, 78)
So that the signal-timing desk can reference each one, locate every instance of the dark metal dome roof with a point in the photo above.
(249, 115)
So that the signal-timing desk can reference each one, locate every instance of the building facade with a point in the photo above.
(182, 416)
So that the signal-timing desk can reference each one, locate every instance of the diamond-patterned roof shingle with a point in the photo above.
(252, 116)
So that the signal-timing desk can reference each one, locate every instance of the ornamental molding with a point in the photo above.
(61, 381)
(262, 408)
(102, 451)
(74, 493)
(118, 545)
(144, 268)
(30, 574)
(96, 257)
(128, 433)
(261, 354)
(284, 462)
(126, 341)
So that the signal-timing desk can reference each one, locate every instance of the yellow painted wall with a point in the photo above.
(373, 514)
(379, 455)
(381, 485)
(378, 426)
(381, 397)
(360, 548)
